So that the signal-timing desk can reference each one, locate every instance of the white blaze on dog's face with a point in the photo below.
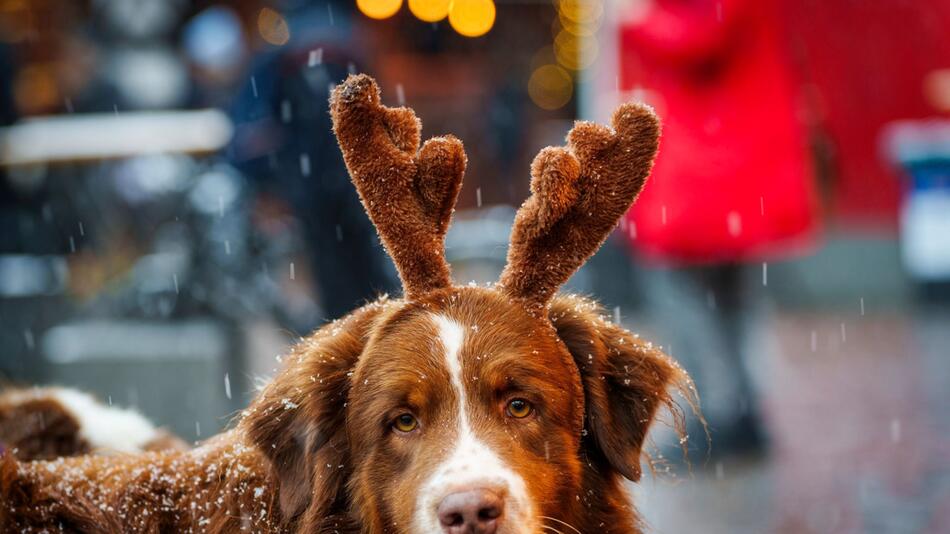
(465, 418)
(461, 412)
(472, 467)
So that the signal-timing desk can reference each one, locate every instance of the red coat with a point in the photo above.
(733, 177)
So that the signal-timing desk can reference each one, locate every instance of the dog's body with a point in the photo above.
(455, 410)
(48, 423)
(227, 485)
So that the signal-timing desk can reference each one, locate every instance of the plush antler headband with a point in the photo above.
(579, 192)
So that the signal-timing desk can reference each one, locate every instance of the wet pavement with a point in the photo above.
(857, 408)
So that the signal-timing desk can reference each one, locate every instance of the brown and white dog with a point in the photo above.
(53, 422)
(502, 409)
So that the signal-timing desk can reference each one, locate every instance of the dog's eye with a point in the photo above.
(519, 408)
(405, 423)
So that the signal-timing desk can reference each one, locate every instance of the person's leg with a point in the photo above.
(738, 428)
(350, 266)
(698, 315)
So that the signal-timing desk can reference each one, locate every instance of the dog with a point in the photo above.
(49, 423)
(501, 409)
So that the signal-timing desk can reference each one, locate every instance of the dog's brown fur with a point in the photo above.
(39, 429)
(408, 193)
(315, 452)
(293, 464)
(578, 194)
(35, 425)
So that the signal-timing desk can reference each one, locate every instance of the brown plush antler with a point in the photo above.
(578, 195)
(408, 193)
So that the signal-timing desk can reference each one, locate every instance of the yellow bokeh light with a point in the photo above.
(379, 9)
(429, 10)
(573, 52)
(472, 18)
(578, 28)
(543, 56)
(550, 87)
(581, 11)
(35, 89)
(273, 27)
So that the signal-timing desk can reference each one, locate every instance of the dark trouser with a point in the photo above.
(701, 314)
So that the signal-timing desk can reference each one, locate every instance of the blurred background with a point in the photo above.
(174, 212)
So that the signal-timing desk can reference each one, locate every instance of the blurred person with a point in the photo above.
(732, 185)
(284, 142)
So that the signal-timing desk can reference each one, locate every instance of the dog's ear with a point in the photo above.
(298, 421)
(626, 381)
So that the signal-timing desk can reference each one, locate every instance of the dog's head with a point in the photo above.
(470, 409)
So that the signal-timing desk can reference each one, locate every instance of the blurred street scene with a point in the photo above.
(175, 213)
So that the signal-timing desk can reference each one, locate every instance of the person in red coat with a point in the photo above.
(732, 184)
(733, 178)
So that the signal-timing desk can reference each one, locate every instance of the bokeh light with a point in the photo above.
(573, 52)
(273, 27)
(472, 18)
(580, 30)
(937, 89)
(429, 10)
(550, 87)
(584, 28)
(15, 20)
(379, 9)
(543, 56)
(581, 11)
(35, 88)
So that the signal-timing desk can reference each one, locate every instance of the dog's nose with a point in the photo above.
(476, 511)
